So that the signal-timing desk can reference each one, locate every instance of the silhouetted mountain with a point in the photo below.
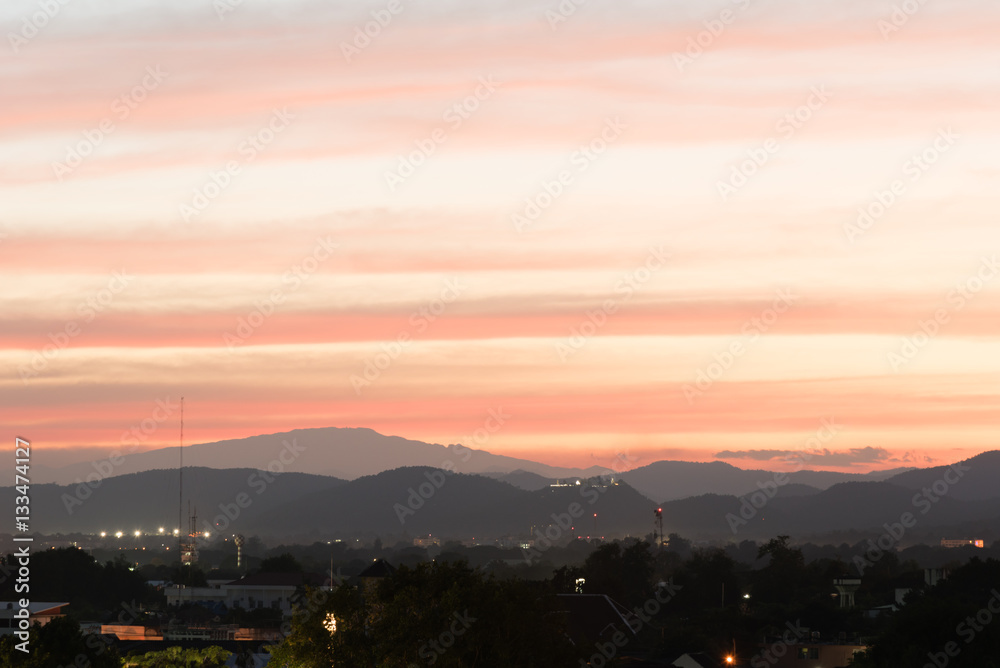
(978, 482)
(797, 489)
(668, 480)
(342, 453)
(418, 500)
(523, 479)
(412, 501)
(149, 500)
(861, 506)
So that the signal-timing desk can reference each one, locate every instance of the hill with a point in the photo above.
(345, 453)
(976, 478)
(670, 480)
(148, 500)
(417, 500)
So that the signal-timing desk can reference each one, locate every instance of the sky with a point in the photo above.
(579, 232)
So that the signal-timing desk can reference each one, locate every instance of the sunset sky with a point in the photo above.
(630, 227)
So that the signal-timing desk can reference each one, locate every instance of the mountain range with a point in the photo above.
(350, 453)
(345, 453)
(703, 501)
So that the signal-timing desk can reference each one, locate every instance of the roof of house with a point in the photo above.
(695, 660)
(380, 569)
(35, 607)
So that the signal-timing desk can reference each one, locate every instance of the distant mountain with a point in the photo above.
(669, 480)
(976, 478)
(797, 489)
(859, 506)
(417, 500)
(146, 501)
(342, 453)
(523, 479)
(411, 501)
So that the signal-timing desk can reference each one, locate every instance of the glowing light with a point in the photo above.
(137, 533)
(729, 659)
(104, 534)
(118, 534)
(161, 529)
(330, 623)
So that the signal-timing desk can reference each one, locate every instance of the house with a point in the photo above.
(371, 576)
(269, 590)
(42, 612)
(250, 592)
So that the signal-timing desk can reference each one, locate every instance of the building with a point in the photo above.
(251, 592)
(846, 588)
(513, 542)
(974, 542)
(269, 590)
(371, 576)
(426, 541)
(131, 632)
(38, 611)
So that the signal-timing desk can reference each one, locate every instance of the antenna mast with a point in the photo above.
(180, 487)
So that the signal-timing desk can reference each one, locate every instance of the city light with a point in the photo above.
(330, 623)
(104, 534)
(118, 534)
(137, 533)
(161, 529)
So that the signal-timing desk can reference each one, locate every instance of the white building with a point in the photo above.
(251, 592)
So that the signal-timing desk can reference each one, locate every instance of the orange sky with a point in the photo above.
(628, 233)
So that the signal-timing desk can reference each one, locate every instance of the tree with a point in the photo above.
(72, 575)
(624, 575)
(443, 613)
(949, 624)
(58, 643)
(177, 657)
(283, 563)
(782, 579)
